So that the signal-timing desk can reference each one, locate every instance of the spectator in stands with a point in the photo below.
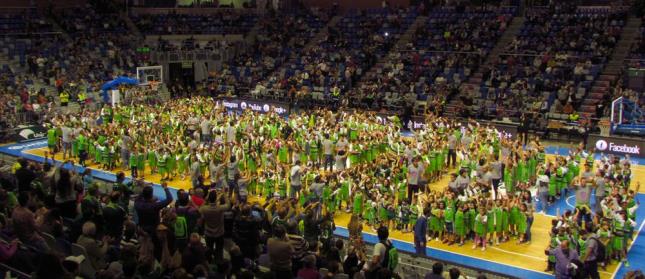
(437, 271)
(25, 175)
(379, 257)
(309, 271)
(280, 253)
(96, 250)
(213, 218)
(454, 273)
(246, 231)
(148, 208)
(24, 224)
(194, 254)
(114, 216)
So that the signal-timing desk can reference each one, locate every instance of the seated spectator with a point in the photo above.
(437, 271)
(24, 224)
(309, 271)
(96, 250)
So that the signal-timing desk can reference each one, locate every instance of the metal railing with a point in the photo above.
(13, 273)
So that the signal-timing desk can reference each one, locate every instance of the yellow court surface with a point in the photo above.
(527, 256)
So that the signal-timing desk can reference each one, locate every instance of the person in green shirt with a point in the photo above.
(481, 222)
(132, 163)
(449, 218)
(52, 141)
(83, 145)
(490, 226)
(460, 224)
(370, 214)
(438, 212)
(343, 194)
(141, 162)
(469, 219)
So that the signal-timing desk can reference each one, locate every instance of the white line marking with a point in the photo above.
(568, 203)
(519, 254)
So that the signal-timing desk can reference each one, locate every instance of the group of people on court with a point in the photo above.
(595, 235)
(352, 161)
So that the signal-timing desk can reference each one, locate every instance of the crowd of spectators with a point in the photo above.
(24, 22)
(96, 47)
(49, 213)
(551, 64)
(222, 22)
(19, 103)
(444, 51)
(282, 37)
(334, 63)
(549, 67)
(636, 60)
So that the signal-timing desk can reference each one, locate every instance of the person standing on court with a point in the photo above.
(563, 258)
(296, 183)
(421, 232)
(452, 154)
(413, 178)
(328, 151)
(590, 257)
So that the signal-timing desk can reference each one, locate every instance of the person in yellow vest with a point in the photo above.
(335, 95)
(81, 98)
(335, 92)
(574, 116)
(64, 98)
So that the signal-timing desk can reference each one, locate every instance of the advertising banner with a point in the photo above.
(24, 133)
(617, 145)
(263, 106)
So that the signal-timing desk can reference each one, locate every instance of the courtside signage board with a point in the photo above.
(617, 145)
(27, 133)
(255, 105)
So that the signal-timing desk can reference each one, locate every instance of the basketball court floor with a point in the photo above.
(519, 260)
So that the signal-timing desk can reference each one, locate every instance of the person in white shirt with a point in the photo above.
(295, 176)
(206, 129)
(327, 146)
(342, 144)
(542, 183)
(413, 178)
(230, 133)
(67, 141)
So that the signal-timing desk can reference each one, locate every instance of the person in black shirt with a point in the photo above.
(114, 216)
(125, 190)
(311, 224)
(523, 129)
(246, 232)
(25, 175)
(148, 208)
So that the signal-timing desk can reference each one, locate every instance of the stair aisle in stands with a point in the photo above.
(612, 71)
(474, 82)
